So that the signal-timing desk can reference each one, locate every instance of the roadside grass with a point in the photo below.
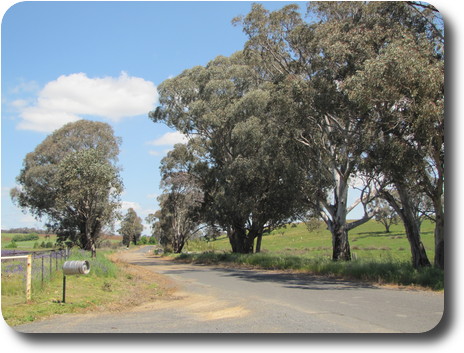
(387, 272)
(109, 286)
(378, 257)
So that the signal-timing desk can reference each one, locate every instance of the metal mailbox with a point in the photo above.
(76, 268)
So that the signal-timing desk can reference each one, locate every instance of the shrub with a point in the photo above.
(11, 245)
(25, 237)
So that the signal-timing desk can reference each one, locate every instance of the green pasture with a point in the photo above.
(26, 245)
(368, 241)
(378, 257)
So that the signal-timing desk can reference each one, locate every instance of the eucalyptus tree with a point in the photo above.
(178, 218)
(385, 214)
(249, 183)
(365, 76)
(71, 179)
(402, 88)
(307, 66)
(131, 227)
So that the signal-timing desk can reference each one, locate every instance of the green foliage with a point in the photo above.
(131, 227)
(25, 237)
(11, 245)
(235, 154)
(361, 89)
(71, 178)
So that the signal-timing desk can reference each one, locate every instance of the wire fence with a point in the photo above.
(44, 265)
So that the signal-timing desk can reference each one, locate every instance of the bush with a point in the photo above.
(25, 237)
(11, 245)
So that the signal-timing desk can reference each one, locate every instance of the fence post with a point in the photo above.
(42, 271)
(28, 277)
(64, 288)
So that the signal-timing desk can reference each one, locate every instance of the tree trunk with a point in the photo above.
(178, 243)
(90, 246)
(387, 227)
(439, 260)
(258, 243)
(340, 243)
(411, 225)
(241, 242)
(338, 226)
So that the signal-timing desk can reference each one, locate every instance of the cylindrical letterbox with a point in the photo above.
(76, 268)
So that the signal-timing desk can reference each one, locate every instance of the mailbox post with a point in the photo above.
(74, 268)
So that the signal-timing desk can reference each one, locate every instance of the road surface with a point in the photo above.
(209, 299)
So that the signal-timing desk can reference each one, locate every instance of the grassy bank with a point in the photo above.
(109, 286)
(378, 256)
(385, 272)
(368, 242)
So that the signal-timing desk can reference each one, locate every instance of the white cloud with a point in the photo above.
(169, 139)
(70, 97)
(25, 87)
(19, 103)
(125, 205)
(6, 191)
(159, 153)
(152, 196)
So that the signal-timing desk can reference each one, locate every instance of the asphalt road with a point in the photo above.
(223, 300)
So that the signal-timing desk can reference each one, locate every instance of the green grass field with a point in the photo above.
(369, 242)
(26, 245)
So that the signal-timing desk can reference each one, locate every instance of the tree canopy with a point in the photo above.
(72, 180)
(248, 181)
(131, 227)
(355, 95)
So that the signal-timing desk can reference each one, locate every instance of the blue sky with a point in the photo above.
(102, 61)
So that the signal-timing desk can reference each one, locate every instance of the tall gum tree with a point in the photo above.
(249, 183)
(71, 179)
(402, 89)
(307, 70)
(131, 227)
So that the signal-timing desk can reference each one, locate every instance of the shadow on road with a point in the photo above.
(301, 281)
(288, 280)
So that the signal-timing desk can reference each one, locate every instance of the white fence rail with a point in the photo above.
(28, 271)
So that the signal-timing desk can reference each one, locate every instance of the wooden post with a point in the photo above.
(28, 272)
(42, 271)
(64, 289)
(28, 277)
